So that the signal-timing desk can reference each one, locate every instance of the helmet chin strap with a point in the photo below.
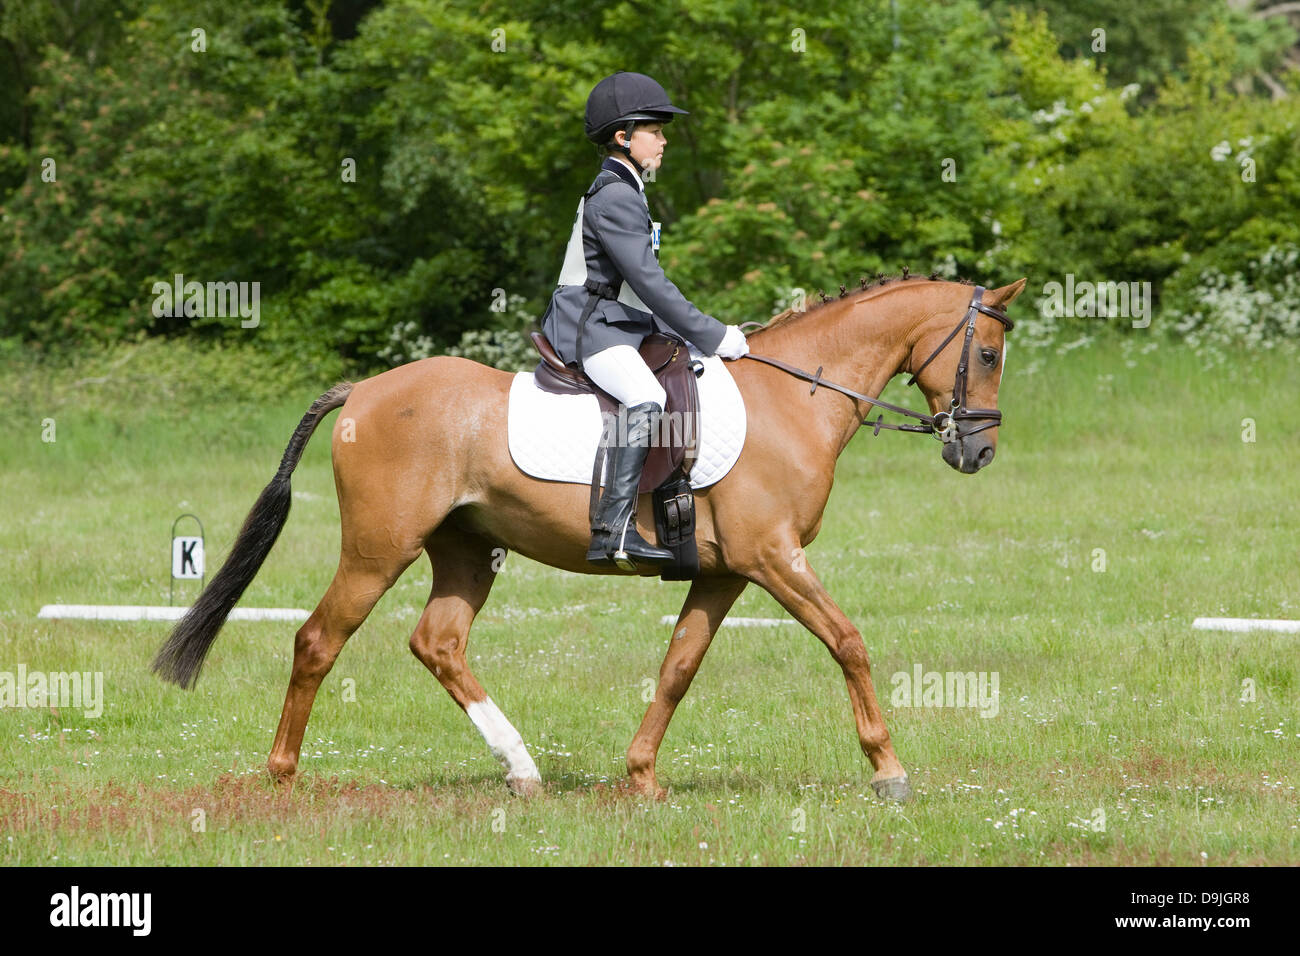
(626, 148)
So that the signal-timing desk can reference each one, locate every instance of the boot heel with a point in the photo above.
(620, 555)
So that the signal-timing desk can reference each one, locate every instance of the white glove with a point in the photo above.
(733, 344)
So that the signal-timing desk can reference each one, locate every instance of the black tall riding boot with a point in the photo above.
(613, 535)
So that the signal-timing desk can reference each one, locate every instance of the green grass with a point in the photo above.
(1109, 700)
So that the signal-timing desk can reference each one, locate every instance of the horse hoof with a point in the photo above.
(897, 789)
(524, 786)
(280, 775)
(651, 790)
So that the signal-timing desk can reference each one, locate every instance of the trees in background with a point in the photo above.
(398, 175)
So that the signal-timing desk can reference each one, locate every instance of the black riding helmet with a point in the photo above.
(620, 101)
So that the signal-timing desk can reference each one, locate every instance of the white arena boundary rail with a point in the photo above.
(740, 621)
(136, 612)
(1245, 624)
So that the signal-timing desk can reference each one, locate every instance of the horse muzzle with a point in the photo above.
(968, 454)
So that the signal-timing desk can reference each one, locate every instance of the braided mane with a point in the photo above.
(863, 285)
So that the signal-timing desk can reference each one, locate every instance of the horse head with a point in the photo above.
(959, 369)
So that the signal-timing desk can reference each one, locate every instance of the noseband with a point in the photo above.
(946, 426)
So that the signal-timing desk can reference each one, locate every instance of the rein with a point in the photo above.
(946, 426)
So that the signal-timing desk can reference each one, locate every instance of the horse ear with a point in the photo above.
(1001, 298)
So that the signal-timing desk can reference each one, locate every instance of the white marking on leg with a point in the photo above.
(503, 740)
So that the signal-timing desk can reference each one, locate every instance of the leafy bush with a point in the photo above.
(381, 188)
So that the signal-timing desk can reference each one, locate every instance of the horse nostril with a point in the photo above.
(985, 455)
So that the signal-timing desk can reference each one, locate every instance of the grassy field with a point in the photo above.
(1123, 503)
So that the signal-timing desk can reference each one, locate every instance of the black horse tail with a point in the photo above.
(181, 658)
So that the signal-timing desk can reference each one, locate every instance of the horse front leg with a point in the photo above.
(707, 603)
(795, 585)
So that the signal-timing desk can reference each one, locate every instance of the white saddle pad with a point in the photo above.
(555, 437)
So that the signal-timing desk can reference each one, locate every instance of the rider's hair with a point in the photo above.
(610, 149)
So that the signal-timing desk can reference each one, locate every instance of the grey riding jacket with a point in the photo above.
(614, 244)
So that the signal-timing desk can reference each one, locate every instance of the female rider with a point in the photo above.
(612, 293)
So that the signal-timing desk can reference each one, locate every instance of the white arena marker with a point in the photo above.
(1245, 624)
(136, 612)
(740, 621)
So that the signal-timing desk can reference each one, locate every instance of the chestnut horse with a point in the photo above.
(421, 464)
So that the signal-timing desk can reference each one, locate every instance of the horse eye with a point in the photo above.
(989, 356)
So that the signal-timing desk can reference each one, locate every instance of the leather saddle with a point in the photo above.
(675, 443)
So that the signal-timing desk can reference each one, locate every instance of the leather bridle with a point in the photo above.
(946, 426)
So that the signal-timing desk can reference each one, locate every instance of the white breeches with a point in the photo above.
(621, 371)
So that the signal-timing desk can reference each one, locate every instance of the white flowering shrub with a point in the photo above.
(1037, 330)
(506, 348)
(406, 343)
(1252, 310)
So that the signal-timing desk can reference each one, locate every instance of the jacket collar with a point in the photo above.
(617, 166)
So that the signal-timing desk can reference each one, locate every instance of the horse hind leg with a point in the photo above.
(358, 585)
(464, 568)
